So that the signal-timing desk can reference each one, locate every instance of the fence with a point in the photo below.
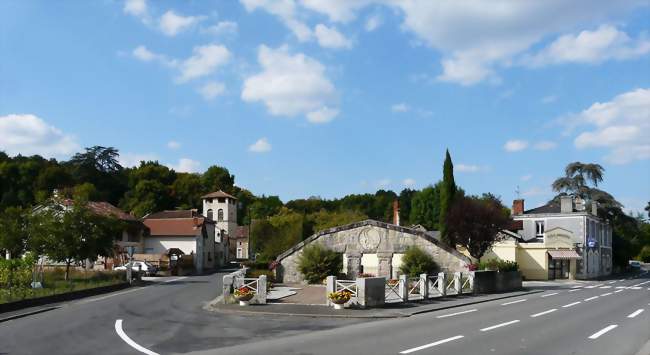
(238, 279)
(427, 286)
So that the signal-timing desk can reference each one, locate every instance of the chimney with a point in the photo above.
(396, 212)
(566, 204)
(594, 208)
(518, 207)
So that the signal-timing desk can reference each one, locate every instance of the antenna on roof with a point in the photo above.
(518, 192)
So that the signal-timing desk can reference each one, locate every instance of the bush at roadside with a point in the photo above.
(317, 262)
(498, 265)
(416, 261)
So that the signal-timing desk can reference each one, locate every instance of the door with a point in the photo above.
(558, 269)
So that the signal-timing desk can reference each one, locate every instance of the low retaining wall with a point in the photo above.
(68, 296)
(238, 279)
(496, 281)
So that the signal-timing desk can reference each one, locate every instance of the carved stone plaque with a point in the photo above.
(369, 239)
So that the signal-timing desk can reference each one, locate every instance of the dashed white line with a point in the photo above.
(513, 302)
(635, 313)
(543, 313)
(457, 313)
(623, 287)
(618, 291)
(408, 351)
(574, 290)
(605, 294)
(571, 304)
(642, 283)
(591, 298)
(176, 279)
(611, 282)
(577, 286)
(500, 325)
(602, 331)
(550, 294)
(594, 286)
(136, 346)
(606, 287)
(635, 288)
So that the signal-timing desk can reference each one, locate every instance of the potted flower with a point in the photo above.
(339, 298)
(393, 282)
(244, 295)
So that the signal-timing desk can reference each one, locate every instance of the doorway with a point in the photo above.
(558, 268)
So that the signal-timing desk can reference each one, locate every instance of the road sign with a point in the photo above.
(591, 242)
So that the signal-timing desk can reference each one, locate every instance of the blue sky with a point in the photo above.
(314, 97)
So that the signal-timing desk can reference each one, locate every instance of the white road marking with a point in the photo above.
(603, 331)
(500, 325)
(408, 351)
(594, 286)
(606, 287)
(635, 313)
(550, 294)
(621, 287)
(618, 291)
(635, 288)
(642, 283)
(136, 346)
(611, 282)
(543, 313)
(591, 298)
(605, 294)
(571, 304)
(457, 313)
(577, 286)
(513, 302)
(577, 289)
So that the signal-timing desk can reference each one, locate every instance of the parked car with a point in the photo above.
(635, 264)
(141, 266)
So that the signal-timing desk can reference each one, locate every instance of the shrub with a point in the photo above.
(498, 265)
(270, 275)
(317, 262)
(415, 262)
(644, 255)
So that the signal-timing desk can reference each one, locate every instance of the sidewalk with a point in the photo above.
(393, 310)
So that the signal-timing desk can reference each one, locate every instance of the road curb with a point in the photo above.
(21, 315)
(211, 307)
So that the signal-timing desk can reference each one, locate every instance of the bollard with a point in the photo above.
(261, 289)
(331, 287)
(442, 284)
(424, 286)
(404, 288)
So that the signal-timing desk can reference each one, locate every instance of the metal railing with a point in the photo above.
(250, 283)
(433, 283)
(347, 285)
(392, 290)
(414, 288)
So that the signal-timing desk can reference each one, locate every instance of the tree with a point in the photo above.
(405, 200)
(13, 226)
(447, 194)
(425, 207)
(98, 158)
(187, 190)
(218, 178)
(415, 262)
(647, 209)
(475, 223)
(576, 181)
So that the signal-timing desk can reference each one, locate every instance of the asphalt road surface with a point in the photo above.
(609, 317)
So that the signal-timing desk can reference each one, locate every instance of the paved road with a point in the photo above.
(608, 318)
(167, 318)
(164, 318)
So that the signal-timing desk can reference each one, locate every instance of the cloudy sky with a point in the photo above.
(330, 97)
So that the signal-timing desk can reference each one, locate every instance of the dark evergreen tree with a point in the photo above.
(447, 193)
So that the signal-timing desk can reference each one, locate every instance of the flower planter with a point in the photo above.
(244, 303)
(339, 305)
(244, 295)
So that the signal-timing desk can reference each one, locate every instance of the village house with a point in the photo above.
(559, 240)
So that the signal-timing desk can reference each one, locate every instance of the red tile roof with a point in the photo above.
(177, 226)
(104, 209)
(218, 194)
(173, 214)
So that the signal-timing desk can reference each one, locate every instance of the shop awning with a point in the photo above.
(564, 254)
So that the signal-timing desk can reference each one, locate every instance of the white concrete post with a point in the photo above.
(331, 287)
(471, 281)
(404, 288)
(442, 284)
(457, 285)
(227, 284)
(424, 286)
(261, 289)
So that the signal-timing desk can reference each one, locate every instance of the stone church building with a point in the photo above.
(371, 247)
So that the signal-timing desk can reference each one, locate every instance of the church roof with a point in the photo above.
(218, 194)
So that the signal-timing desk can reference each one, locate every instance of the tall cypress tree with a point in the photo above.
(447, 192)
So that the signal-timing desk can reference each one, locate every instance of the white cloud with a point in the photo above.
(290, 85)
(262, 145)
(621, 125)
(467, 168)
(186, 165)
(373, 22)
(605, 43)
(143, 54)
(137, 8)
(204, 61)
(27, 134)
(526, 177)
(408, 182)
(330, 37)
(211, 90)
(172, 24)
(286, 11)
(337, 10)
(400, 107)
(222, 28)
(545, 145)
(130, 160)
(322, 115)
(515, 145)
(383, 183)
(173, 145)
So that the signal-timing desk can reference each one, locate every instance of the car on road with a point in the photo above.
(635, 264)
(139, 266)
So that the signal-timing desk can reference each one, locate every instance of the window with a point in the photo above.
(539, 231)
(220, 215)
(209, 214)
(221, 200)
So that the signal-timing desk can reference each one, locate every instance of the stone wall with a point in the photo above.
(370, 237)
